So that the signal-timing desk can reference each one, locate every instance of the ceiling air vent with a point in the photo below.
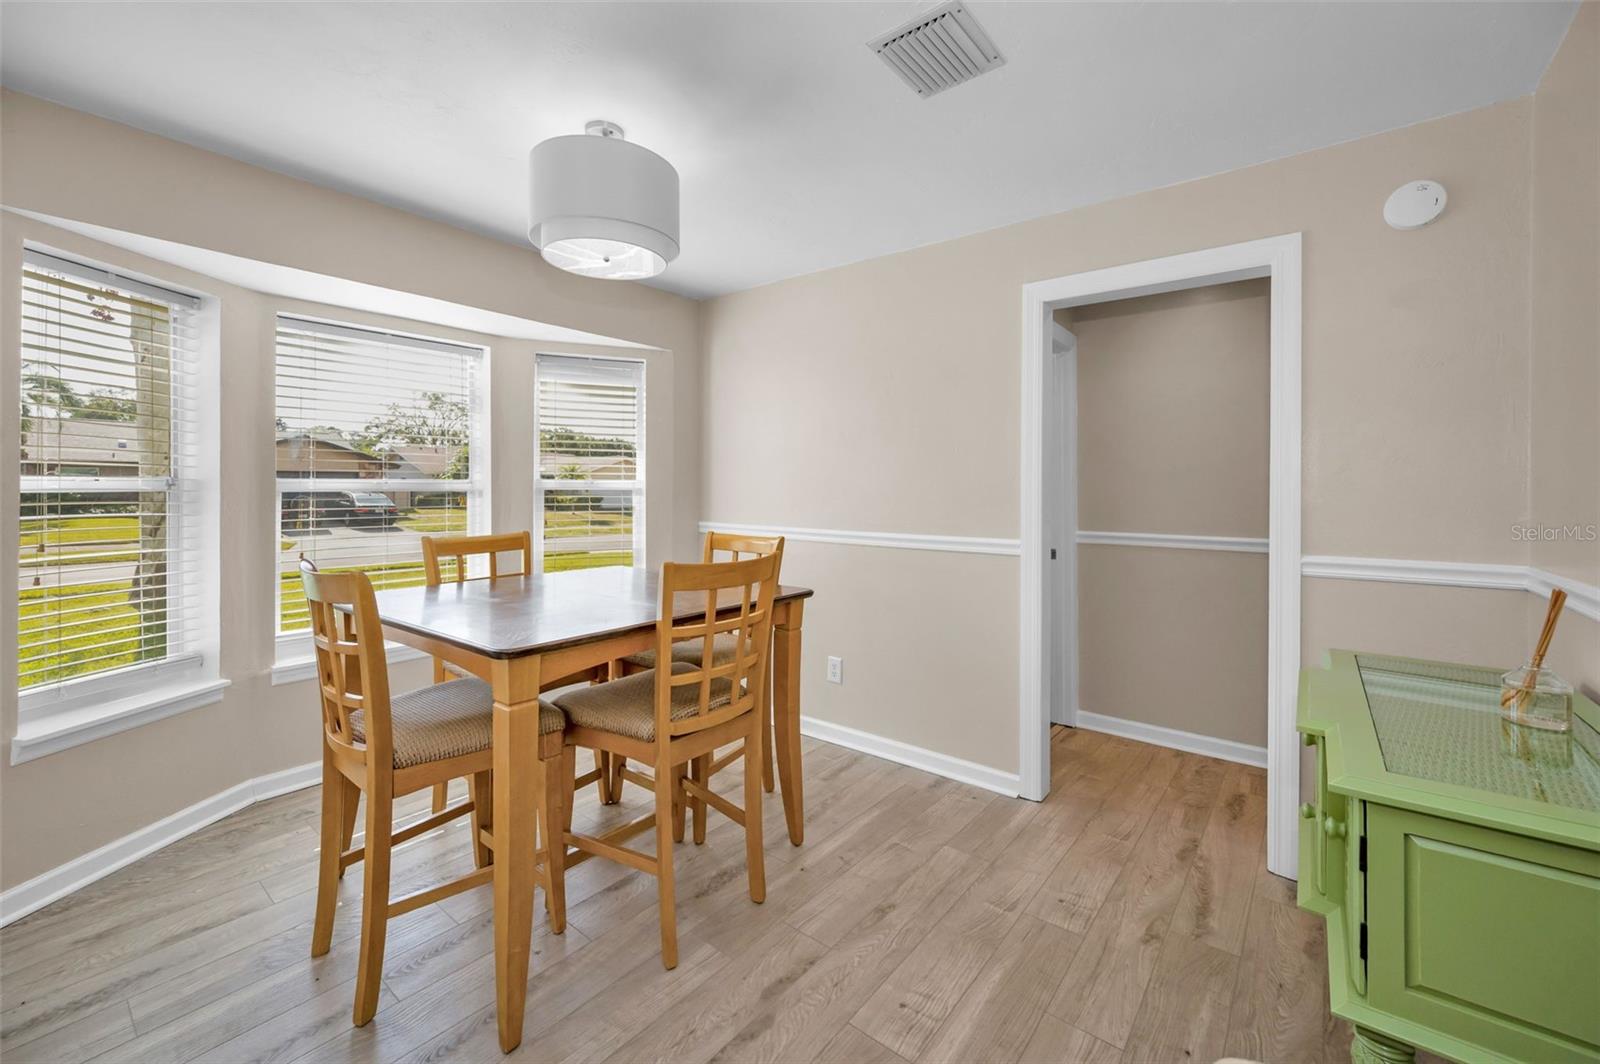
(937, 50)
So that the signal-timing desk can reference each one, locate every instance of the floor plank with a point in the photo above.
(906, 1011)
(1280, 1002)
(1108, 977)
(996, 1017)
(1129, 916)
(1216, 896)
(1184, 1014)
(1055, 1041)
(1075, 889)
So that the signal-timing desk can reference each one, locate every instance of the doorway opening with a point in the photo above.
(1050, 635)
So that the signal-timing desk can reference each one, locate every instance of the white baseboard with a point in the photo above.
(990, 779)
(79, 872)
(1225, 749)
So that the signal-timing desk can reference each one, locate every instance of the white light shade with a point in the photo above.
(602, 207)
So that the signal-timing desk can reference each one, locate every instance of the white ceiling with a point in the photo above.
(798, 149)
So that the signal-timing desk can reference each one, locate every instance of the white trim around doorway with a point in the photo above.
(1279, 259)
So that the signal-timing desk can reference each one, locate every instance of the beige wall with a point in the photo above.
(1172, 412)
(1172, 437)
(883, 396)
(1175, 638)
(1565, 398)
(66, 804)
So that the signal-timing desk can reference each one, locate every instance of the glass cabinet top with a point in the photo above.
(1442, 723)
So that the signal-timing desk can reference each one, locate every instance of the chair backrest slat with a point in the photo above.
(352, 669)
(461, 548)
(734, 598)
(736, 544)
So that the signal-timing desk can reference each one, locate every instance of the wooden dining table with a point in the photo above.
(522, 632)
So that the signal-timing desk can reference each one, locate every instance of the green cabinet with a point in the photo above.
(1456, 859)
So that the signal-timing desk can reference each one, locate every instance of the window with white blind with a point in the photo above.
(110, 559)
(589, 493)
(381, 439)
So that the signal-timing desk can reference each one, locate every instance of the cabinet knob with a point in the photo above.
(1332, 828)
(1308, 811)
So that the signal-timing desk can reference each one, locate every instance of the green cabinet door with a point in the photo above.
(1491, 936)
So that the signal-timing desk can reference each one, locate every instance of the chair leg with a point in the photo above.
(553, 798)
(698, 773)
(352, 805)
(753, 853)
(618, 763)
(375, 898)
(482, 786)
(602, 786)
(569, 771)
(678, 802)
(441, 796)
(665, 785)
(328, 869)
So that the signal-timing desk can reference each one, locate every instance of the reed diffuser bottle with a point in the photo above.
(1533, 695)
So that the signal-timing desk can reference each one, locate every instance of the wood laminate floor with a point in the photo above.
(1128, 918)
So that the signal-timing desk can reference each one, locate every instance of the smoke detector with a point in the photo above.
(938, 50)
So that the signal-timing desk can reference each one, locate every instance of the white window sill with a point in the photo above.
(65, 728)
(304, 666)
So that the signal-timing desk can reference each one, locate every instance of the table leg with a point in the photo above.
(786, 717)
(516, 780)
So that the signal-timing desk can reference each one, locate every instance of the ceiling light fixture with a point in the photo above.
(602, 207)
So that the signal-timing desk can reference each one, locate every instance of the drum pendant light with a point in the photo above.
(602, 207)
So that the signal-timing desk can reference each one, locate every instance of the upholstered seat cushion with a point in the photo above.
(722, 647)
(627, 706)
(446, 720)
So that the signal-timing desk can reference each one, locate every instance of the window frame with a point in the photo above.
(638, 485)
(60, 714)
(293, 655)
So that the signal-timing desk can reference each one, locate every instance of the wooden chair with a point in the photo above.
(460, 548)
(734, 545)
(385, 748)
(673, 717)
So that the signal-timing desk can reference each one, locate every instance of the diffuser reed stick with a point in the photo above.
(1558, 599)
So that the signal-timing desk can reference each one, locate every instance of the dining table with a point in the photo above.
(522, 632)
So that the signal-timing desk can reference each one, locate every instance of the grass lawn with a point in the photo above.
(409, 574)
(562, 524)
(58, 531)
(561, 563)
(100, 540)
(292, 593)
(433, 521)
(101, 626)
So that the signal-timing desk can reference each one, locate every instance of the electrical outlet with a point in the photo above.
(836, 670)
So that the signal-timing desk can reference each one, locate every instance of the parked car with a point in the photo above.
(371, 508)
(360, 509)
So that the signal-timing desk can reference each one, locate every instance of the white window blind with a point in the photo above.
(591, 475)
(380, 440)
(109, 539)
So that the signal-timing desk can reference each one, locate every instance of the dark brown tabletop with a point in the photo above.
(511, 616)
